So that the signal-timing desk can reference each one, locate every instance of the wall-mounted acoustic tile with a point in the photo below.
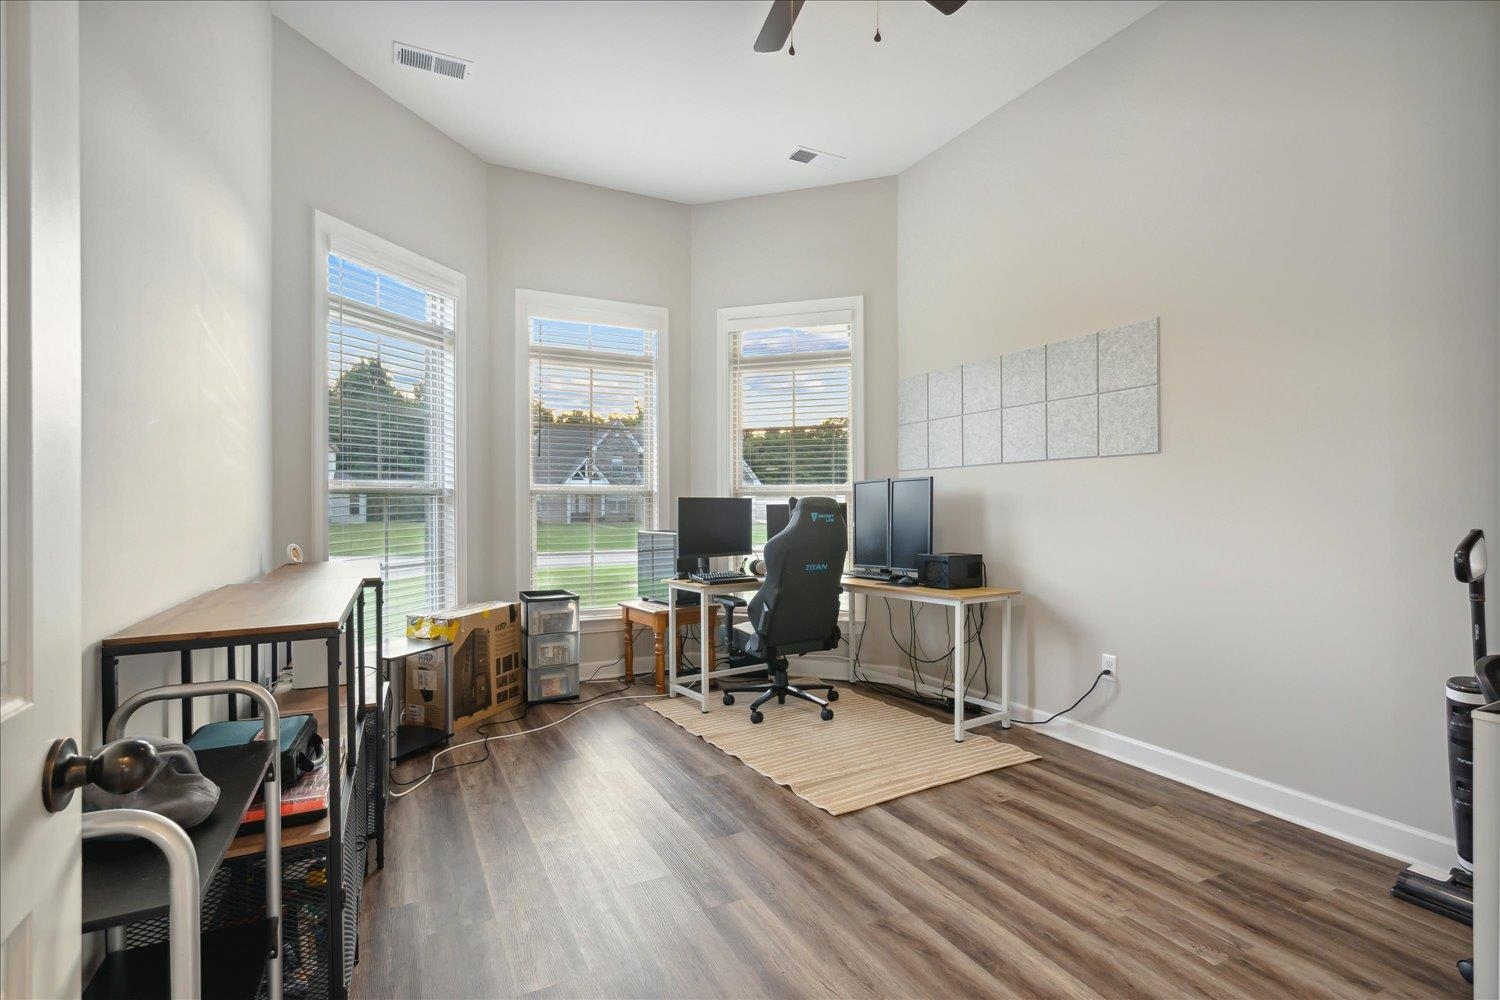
(1129, 422)
(982, 383)
(1127, 356)
(982, 437)
(945, 443)
(911, 399)
(945, 393)
(1073, 427)
(1073, 367)
(1023, 375)
(911, 445)
(1024, 432)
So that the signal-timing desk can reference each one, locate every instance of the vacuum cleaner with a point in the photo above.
(1453, 896)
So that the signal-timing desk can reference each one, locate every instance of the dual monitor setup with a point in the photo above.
(892, 522)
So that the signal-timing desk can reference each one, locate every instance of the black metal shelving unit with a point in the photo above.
(322, 872)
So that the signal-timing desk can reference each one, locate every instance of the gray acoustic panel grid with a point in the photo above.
(945, 442)
(1095, 395)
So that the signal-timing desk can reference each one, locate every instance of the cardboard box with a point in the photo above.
(487, 676)
(425, 699)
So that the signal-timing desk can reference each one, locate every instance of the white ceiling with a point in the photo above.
(669, 99)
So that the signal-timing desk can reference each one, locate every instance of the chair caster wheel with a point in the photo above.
(729, 699)
(833, 695)
(826, 714)
(755, 717)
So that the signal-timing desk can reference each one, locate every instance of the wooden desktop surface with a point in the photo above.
(305, 597)
(708, 588)
(856, 585)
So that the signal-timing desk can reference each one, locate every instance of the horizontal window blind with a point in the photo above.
(391, 433)
(791, 407)
(592, 445)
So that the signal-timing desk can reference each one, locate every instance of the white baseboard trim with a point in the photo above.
(1355, 826)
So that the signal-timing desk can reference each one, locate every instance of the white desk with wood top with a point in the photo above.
(706, 676)
(960, 601)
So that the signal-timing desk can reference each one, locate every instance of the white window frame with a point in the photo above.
(400, 262)
(812, 312)
(581, 309)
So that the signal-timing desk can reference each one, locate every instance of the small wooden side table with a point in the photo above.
(654, 616)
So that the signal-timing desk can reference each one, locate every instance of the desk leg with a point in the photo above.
(853, 626)
(1005, 666)
(960, 678)
(671, 642)
(705, 646)
(659, 643)
(629, 646)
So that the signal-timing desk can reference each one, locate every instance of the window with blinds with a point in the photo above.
(391, 432)
(791, 410)
(593, 455)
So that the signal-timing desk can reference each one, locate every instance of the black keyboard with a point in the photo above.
(722, 576)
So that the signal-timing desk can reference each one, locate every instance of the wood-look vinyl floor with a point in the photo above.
(618, 856)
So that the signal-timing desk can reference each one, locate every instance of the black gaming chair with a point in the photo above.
(796, 610)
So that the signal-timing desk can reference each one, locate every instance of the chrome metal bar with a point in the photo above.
(182, 886)
(271, 728)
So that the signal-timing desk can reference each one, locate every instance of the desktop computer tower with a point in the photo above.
(950, 570)
(655, 560)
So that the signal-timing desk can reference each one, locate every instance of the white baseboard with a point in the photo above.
(1354, 826)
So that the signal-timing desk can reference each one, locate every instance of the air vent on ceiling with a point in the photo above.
(814, 157)
(432, 62)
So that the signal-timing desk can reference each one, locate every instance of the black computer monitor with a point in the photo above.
(712, 526)
(779, 515)
(911, 521)
(872, 524)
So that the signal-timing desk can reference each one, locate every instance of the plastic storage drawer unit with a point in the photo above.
(545, 611)
(552, 683)
(556, 650)
(552, 616)
(550, 644)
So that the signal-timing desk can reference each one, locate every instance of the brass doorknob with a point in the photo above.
(119, 767)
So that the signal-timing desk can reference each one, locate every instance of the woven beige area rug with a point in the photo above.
(870, 751)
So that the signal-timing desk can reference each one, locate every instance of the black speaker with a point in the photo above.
(950, 570)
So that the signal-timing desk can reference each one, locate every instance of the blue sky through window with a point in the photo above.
(381, 291)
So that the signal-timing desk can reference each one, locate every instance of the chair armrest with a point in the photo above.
(729, 602)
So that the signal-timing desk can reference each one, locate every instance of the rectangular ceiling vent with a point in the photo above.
(432, 62)
(814, 157)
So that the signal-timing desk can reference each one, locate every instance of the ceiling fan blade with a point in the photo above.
(947, 6)
(778, 26)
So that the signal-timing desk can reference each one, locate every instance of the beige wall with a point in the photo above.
(1306, 195)
(344, 148)
(821, 243)
(553, 235)
(175, 135)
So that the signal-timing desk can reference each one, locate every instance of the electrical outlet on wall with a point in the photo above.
(1108, 666)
